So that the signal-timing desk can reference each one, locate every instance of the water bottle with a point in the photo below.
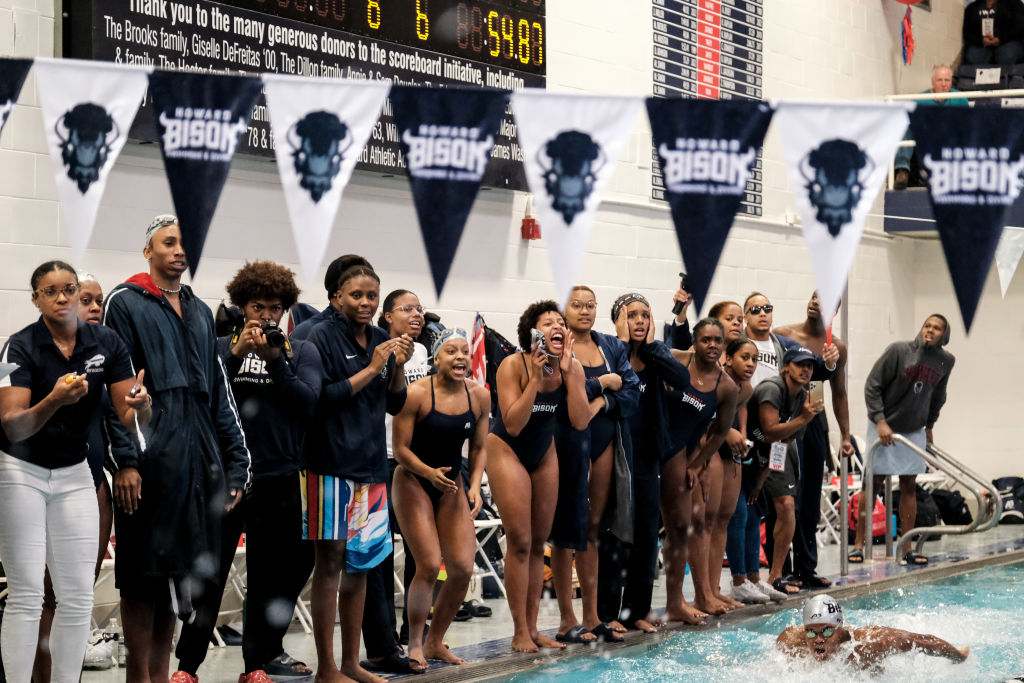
(115, 629)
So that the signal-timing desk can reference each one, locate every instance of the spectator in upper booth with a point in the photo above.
(942, 82)
(992, 32)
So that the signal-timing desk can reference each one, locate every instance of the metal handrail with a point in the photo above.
(990, 504)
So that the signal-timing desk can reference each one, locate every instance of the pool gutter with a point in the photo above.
(505, 667)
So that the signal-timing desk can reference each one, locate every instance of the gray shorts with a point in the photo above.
(897, 458)
(784, 483)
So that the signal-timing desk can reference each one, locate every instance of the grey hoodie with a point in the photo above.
(907, 385)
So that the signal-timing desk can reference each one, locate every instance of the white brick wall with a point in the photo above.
(822, 49)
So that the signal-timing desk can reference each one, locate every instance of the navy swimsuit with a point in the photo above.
(533, 442)
(602, 427)
(437, 441)
(690, 412)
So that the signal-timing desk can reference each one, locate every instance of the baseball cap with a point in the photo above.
(797, 354)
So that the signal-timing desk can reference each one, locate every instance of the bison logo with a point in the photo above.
(319, 141)
(85, 133)
(835, 173)
(572, 162)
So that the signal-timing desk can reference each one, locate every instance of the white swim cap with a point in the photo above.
(823, 609)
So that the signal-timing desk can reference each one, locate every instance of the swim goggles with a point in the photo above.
(826, 632)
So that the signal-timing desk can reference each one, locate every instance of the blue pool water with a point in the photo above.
(982, 609)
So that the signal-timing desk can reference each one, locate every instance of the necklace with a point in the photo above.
(169, 291)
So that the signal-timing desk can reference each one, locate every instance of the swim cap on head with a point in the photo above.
(446, 335)
(823, 609)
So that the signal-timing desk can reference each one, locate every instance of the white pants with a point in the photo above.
(47, 518)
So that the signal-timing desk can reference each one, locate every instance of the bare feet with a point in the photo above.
(358, 673)
(687, 615)
(617, 626)
(432, 651)
(711, 606)
(524, 643)
(417, 660)
(733, 604)
(645, 626)
(330, 674)
(654, 620)
(545, 642)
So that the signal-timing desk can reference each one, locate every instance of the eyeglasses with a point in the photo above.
(756, 310)
(825, 632)
(69, 290)
(583, 305)
(408, 309)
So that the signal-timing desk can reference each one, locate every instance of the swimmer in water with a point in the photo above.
(824, 631)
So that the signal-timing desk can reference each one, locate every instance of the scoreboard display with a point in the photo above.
(709, 49)
(476, 43)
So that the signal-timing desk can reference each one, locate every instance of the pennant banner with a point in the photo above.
(1008, 253)
(974, 159)
(12, 77)
(87, 109)
(838, 156)
(570, 145)
(199, 119)
(320, 127)
(707, 149)
(446, 136)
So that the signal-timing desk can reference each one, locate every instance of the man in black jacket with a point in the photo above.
(992, 32)
(192, 460)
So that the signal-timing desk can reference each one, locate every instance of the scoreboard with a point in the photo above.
(709, 49)
(477, 43)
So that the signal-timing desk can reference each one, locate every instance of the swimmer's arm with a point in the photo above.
(877, 642)
(402, 428)
(477, 446)
(515, 400)
(789, 640)
(720, 426)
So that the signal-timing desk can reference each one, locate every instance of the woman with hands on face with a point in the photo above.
(48, 511)
(441, 412)
(521, 463)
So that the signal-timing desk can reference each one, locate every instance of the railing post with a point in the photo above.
(888, 517)
(867, 497)
(844, 511)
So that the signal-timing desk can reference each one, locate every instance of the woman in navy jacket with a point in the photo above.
(345, 482)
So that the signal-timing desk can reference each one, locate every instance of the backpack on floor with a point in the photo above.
(877, 520)
(952, 507)
(1012, 491)
(927, 511)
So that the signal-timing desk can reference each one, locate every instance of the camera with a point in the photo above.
(678, 307)
(273, 334)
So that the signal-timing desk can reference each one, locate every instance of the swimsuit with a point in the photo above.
(533, 442)
(437, 441)
(690, 412)
(602, 427)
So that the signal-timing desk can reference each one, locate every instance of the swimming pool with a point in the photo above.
(981, 609)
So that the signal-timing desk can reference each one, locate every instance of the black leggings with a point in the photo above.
(278, 564)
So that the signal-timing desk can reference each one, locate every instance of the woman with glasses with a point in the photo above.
(48, 511)
(441, 413)
(585, 471)
(522, 467)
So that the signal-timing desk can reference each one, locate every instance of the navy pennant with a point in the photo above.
(706, 149)
(199, 118)
(446, 137)
(974, 159)
(12, 77)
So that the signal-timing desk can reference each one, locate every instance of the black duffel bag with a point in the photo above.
(952, 507)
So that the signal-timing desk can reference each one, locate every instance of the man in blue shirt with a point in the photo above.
(942, 82)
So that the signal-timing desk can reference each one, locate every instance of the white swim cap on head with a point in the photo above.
(823, 609)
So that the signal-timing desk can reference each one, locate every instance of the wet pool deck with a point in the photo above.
(484, 642)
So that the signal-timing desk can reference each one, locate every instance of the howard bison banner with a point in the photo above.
(707, 149)
(12, 77)
(838, 156)
(446, 136)
(87, 109)
(199, 118)
(974, 159)
(1008, 253)
(320, 127)
(570, 145)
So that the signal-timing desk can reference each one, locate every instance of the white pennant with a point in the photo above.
(570, 145)
(837, 156)
(320, 127)
(1008, 253)
(87, 109)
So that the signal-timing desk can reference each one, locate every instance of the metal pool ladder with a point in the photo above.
(989, 503)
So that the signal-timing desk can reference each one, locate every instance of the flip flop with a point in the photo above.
(575, 635)
(783, 586)
(915, 559)
(606, 633)
(856, 556)
(286, 665)
(477, 608)
(394, 663)
(815, 581)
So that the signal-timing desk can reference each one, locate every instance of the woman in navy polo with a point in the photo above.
(48, 511)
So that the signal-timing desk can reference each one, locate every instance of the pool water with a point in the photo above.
(982, 609)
